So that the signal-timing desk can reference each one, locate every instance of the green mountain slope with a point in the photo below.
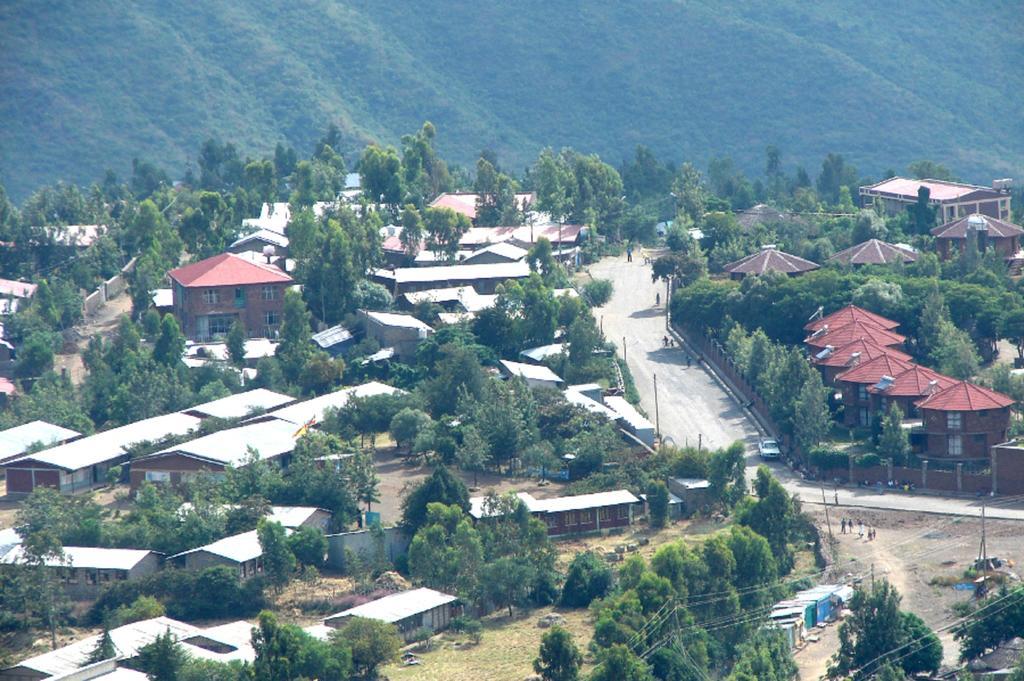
(88, 85)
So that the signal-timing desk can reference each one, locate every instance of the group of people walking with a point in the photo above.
(847, 525)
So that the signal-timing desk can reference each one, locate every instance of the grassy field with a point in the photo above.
(505, 652)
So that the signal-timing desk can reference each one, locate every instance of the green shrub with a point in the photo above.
(598, 292)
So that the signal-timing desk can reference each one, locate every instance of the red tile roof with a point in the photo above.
(917, 381)
(871, 371)
(841, 335)
(843, 356)
(227, 269)
(965, 396)
(874, 252)
(770, 259)
(851, 313)
(957, 229)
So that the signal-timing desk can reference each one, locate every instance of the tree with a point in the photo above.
(507, 581)
(295, 334)
(812, 414)
(308, 545)
(104, 649)
(412, 230)
(894, 443)
(41, 522)
(284, 652)
(446, 553)
(473, 453)
(170, 346)
(559, 658)
(877, 631)
(35, 356)
(1012, 328)
(162, 659)
(441, 487)
(380, 175)
(363, 478)
(236, 344)
(658, 502)
(598, 292)
(588, 578)
(766, 656)
(372, 642)
(619, 664)
(278, 559)
(444, 228)
(406, 424)
(954, 352)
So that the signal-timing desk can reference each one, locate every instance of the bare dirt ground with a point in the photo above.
(911, 550)
(103, 323)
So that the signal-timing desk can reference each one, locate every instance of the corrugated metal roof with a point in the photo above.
(314, 409)
(424, 275)
(628, 412)
(85, 557)
(242, 404)
(292, 516)
(466, 296)
(542, 352)
(238, 547)
(580, 400)
(328, 338)
(586, 501)
(502, 249)
(270, 439)
(403, 321)
(111, 444)
(236, 635)
(397, 607)
(16, 441)
(530, 372)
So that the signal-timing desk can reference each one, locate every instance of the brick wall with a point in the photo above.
(191, 303)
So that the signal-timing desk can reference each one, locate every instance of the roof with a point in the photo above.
(16, 441)
(524, 234)
(854, 352)
(85, 557)
(230, 447)
(871, 371)
(425, 275)
(628, 412)
(477, 510)
(692, 483)
(586, 501)
(939, 190)
(293, 516)
(394, 319)
(851, 313)
(17, 289)
(542, 352)
(874, 252)
(127, 640)
(162, 297)
(465, 202)
(837, 336)
(313, 409)
(111, 444)
(502, 249)
(580, 400)
(81, 236)
(965, 396)
(770, 259)
(466, 296)
(399, 606)
(531, 372)
(957, 229)
(330, 337)
(266, 235)
(227, 269)
(241, 404)
(255, 348)
(917, 381)
(237, 548)
(235, 635)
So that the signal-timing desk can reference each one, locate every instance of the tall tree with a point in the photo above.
(295, 346)
(373, 643)
(41, 522)
(444, 228)
(812, 416)
(893, 442)
(170, 346)
(163, 659)
(236, 344)
(278, 559)
(559, 658)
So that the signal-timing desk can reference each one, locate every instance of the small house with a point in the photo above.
(950, 200)
(874, 252)
(632, 420)
(693, 492)
(769, 259)
(850, 313)
(536, 376)
(334, 340)
(988, 232)
(483, 278)
(241, 405)
(964, 421)
(403, 332)
(410, 611)
(86, 571)
(239, 551)
(574, 514)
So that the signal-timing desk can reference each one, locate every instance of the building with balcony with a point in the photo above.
(855, 383)
(964, 421)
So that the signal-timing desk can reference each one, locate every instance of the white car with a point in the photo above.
(768, 449)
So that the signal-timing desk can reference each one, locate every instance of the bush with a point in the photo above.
(588, 578)
(826, 459)
(142, 608)
(868, 461)
(598, 292)
(468, 626)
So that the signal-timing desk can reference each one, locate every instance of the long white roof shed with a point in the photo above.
(96, 558)
(238, 547)
(241, 405)
(314, 409)
(17, 440)
(111, 444)
(230, 447)
(397, 607)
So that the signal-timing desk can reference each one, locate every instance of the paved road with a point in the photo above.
(693, 406)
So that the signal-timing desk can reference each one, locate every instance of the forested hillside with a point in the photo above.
(89, 85)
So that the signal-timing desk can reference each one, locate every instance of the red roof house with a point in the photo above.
(465, 202)
(210, 295)
(855, 382)
(964, 421)
(906, 388)
(994, 233)
(874, 252)
(769, 259)
(834, 361)
(851, 313)
(841, 335)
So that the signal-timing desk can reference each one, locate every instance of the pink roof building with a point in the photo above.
(951, 199)
(874, 252)
(769, 259)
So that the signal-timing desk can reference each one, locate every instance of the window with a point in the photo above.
(954, 445)
(239, 297)
(211, 296)
(863, 416)
(220, 325)
(158, 476)
(271, 318)
(269, 293)
(954, 420)
(551, 519)
(983, 413)
(586, 516)
(862, 392)
(605, 514)
(623, 512)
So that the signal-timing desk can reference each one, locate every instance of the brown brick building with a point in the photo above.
(855, 383)
(906, 389)
(210, 295)
(1001, 236)
(951, 200)
(964, 421)
(834, 361)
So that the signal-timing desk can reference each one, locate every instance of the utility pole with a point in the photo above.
(824, 503)
(872, 576)
(700, 441)
(623, 349)
(657, 413)
(983, 549)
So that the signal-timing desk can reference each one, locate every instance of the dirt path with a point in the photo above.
(102, 323)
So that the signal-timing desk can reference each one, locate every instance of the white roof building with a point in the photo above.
(269, 439)
(241, 405)
(425, 275)
(503, 250)
(536, 376)
(314, 409)
(636, 422)
(578, 502)
(238, 548)
(262, 236)
(397, 607)
(95, 558)
(16, 441)
(276, 216)
(222, 643)
(580, 400)
(540, 353)
(466, 296)
(332, 336)
(397, 320)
